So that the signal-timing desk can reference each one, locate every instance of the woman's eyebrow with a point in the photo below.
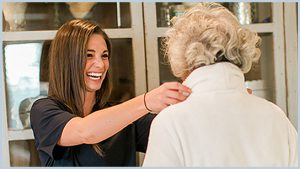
(91, 50)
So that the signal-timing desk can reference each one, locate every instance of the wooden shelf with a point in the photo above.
(259, 28)
(48, 35)
(20, 134)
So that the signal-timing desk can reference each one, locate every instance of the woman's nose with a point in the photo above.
(98, 62)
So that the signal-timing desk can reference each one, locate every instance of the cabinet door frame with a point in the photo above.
(292, 60)
(4, 154)
(279, 55)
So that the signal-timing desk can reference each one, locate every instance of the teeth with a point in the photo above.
(94, 75)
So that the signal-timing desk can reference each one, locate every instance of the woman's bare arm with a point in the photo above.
(104, 123)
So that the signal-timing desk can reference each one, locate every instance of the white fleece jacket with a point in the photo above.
(220, 124)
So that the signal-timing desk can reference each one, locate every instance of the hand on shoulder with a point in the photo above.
(167, 94)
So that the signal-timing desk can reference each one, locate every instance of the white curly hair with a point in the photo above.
(206, 34)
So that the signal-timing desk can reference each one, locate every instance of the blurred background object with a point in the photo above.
(14, 14)
(80, 10)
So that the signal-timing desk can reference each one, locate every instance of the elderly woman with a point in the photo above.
(220, 124)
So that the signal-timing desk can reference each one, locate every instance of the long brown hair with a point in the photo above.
(67, 62)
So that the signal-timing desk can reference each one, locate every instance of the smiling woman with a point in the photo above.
(74, 125)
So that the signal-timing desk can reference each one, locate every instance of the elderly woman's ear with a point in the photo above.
(249, 90)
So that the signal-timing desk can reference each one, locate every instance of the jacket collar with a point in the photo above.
(216, 77)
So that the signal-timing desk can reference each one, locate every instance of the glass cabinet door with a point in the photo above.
(28, 16)
(23, 153)
(254, 78)
(122, 71)
(255, 16)
(246, 12)
(261, 77)
(26, 79)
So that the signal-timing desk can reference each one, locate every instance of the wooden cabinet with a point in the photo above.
(24, 62)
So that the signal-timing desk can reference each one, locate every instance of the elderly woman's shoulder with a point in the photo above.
(174, 112)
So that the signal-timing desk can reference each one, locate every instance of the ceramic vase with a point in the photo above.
(80, 10)
(14, 14)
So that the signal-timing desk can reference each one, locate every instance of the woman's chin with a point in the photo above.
(93, 88)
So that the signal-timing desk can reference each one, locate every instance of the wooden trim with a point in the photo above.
(151, 45)
(138, 48)
(5, 158)
(291, 51)
(259, 28)
(120, 32)
(279, 56)
(24, 134)
(48, 35)
(26, 35)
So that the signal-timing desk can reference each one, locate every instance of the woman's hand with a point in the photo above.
(167, 94)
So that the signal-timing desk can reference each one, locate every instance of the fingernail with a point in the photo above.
(185, 93)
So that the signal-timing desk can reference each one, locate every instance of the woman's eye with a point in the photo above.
(89, 55)
(105, 56)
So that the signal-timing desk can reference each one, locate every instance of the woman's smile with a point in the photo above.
(94, 75)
